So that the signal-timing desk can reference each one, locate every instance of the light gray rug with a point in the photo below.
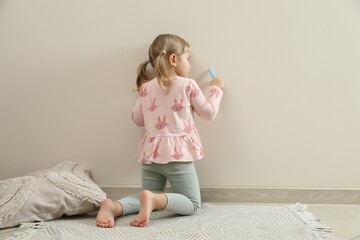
(211, 222)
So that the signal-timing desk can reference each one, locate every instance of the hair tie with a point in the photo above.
(163, 51)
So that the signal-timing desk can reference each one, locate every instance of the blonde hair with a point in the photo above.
(161, 48)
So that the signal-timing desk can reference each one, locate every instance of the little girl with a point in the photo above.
(171, 142)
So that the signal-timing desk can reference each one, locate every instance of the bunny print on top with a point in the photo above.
(170, 131)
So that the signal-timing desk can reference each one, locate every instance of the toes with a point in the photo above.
(143, 224)
(102, 224)
(134, 223)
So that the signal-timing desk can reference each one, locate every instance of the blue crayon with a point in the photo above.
(212, 73)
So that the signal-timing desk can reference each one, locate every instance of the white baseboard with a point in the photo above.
(261, 195)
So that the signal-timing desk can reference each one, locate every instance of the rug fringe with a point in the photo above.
(322, 230)
(27, 231)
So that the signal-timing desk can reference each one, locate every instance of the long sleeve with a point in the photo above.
(137, 114)
(170, 133)
(205, 107)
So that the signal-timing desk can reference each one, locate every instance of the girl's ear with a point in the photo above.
(173, 60)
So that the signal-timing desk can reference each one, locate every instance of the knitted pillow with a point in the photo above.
(65, 189)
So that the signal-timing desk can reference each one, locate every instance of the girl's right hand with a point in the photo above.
(218, 82)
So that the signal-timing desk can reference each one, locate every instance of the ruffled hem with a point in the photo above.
(160, 149)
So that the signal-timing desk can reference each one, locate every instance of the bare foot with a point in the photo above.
(107, 213)
(148, 202)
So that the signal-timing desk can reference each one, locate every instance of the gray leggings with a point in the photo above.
(185, 200)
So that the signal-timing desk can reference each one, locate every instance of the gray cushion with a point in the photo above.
(65, 189)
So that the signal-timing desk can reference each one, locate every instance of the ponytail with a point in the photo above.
(164, 73)
(143, 75)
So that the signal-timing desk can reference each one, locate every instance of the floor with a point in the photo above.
(343, 219)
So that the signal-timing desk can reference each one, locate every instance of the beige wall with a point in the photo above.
(289, 118)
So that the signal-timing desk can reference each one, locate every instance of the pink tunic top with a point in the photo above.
(170, 132)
